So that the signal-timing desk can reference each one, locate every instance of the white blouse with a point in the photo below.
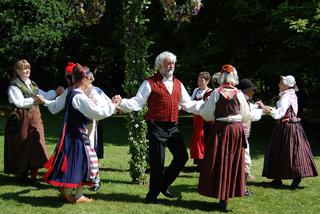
(82, 103)
(208, 110)
(199, 93)
(283, 104)
(136, 103)
(16, 97)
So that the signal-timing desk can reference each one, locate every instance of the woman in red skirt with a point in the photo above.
(289, 155)
(198, 138)
(222, 173)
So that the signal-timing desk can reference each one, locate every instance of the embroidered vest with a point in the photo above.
(163, 106)
(26, 92)
(24, 88)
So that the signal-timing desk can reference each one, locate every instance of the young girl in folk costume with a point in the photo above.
(222, 173)
(24, 146)
(74, 162)
(198, 140)
(289, 155)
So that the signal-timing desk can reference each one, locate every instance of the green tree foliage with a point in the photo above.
(32, 29)
(136, 47)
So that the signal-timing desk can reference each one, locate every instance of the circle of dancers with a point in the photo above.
(219, 145)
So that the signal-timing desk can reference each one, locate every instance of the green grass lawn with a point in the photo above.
(119, 195)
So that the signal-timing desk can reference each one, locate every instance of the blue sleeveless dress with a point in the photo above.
(69, 165)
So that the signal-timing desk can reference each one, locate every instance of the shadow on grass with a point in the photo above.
(113, 169)
(10, 180)
(21, 197)
(108, 180)
(42, 201)
(191, 205)
(178, 189)
(266, 184)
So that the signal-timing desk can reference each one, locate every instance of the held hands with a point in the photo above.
(267, 109)
(260, 104)
(59, 90)
(38, 99)
(116, 100)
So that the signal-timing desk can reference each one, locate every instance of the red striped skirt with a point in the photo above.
(222, 173)
(289, 155)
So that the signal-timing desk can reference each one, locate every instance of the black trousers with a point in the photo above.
(160, 135)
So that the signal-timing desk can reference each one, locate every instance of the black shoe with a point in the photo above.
(276, 182)
(295, 183)
(223, 205)
(168, 194)
(95, 187)
(151, 200)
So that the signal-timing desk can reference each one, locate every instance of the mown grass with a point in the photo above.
(119, 195)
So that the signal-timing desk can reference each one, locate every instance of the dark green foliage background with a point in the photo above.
(262, 39)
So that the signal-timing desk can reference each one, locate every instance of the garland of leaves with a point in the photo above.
(181, 13)
(136, 46)
(88, 12)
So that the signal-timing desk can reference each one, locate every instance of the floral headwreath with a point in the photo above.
(181, 13)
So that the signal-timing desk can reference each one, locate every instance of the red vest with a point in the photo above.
(161, 105)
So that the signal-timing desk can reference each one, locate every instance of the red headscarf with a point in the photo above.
(227, 68)
(69, 68)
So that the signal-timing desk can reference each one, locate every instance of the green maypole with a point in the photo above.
(136, 46)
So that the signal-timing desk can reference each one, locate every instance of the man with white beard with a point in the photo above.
(163, 94)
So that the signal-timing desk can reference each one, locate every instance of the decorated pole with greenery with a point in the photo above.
(136, 46)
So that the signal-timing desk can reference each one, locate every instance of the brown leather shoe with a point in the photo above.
(67, 197)
(83, 199)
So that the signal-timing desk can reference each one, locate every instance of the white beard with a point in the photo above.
(168, 74)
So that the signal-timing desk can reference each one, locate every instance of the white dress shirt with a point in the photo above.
(136, 103)
(16, 97)
(82, 103)
(199, 93)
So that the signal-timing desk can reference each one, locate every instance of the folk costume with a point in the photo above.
(24, 144)
(222, 172)
(74, 162)
(95, 131)
(289, 155)
(163, 96)
(198, 137)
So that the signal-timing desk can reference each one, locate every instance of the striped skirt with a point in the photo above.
(289, 155)
(222, 173)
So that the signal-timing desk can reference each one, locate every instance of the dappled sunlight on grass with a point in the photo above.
(119, 195)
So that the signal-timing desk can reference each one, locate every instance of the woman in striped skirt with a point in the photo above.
(74, 162)
(222, 173)
(289, 155)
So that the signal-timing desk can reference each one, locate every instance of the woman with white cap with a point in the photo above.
(222, 173)
(289, 155)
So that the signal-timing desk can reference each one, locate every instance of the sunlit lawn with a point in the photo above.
(119, 195)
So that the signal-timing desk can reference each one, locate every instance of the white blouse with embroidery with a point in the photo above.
(82, 103)
(16, 97)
